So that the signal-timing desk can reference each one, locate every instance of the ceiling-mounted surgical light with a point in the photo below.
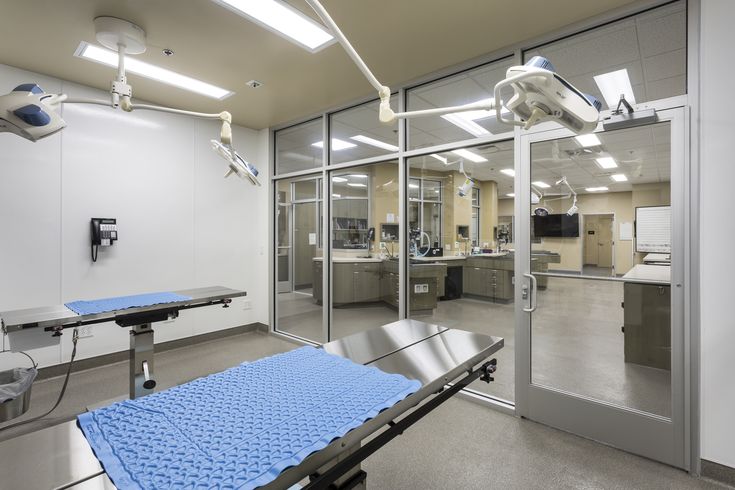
(133, 65)
(284, 20)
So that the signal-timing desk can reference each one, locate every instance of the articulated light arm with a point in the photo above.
(386, 114)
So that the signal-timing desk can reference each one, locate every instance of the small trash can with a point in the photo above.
(15, 389)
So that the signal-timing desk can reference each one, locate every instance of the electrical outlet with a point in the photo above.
(417, 288)
(246, 305)
(86, 332)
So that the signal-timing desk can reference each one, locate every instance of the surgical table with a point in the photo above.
(140, 319)
(443, 360)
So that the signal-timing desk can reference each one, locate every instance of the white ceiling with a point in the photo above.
(400, 40)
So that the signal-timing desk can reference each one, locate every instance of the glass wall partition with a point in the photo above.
(461, 269)
(298, 257)
(357, 133)
(299, 147)
(365, 247)
(469, 86)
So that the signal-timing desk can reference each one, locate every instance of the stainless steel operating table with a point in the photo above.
(443, 360)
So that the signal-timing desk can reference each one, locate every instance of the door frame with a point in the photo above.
(653, 436)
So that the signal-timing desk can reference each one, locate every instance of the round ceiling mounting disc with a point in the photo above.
(113, 32)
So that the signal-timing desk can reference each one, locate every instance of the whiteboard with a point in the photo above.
(653, 229)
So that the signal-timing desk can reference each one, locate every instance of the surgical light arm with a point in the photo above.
(539, 94)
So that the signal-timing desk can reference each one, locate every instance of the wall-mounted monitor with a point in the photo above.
(556, 226)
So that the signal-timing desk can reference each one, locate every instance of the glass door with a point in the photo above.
(602, 253)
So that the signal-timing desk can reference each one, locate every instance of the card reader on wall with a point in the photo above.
(104, 234)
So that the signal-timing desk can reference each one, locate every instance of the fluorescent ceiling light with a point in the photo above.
(134, 65)
(413, 186)
(282, 19)
(606, 162)
(508, 171)
(541, 185)
(619, 178)
(587, 140)
(511, 194)
(374, 142)
(596, 189)
(356, 184)
(337, 195)
(473, 157)
(358, 176)
(460, 120)
(445, 161)
(613, 85)
(339, 179)
(337, 144)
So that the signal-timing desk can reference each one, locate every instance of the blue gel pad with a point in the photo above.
(242, 427)
(123, 303)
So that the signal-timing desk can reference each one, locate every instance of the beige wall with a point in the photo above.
(488, 212)
(621, 204)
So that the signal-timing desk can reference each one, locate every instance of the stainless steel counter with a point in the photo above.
(60, 456)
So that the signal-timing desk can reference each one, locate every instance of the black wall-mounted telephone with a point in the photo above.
(104, 234)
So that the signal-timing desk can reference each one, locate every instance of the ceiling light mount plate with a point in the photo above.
(112, 32)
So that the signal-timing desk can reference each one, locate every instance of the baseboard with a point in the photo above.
(718, 472)
(124, 355)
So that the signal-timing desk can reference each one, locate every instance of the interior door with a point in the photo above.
(605, 241)
(591, 349)
(591, 247)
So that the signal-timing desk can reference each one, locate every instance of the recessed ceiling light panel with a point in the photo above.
(373, 142)
(133, 65)
(614, 84)
(606, 162)
(473, 157)
(588, 140)
(284, 20)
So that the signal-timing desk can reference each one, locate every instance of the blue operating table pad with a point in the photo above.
(123, 302)
(242, 427)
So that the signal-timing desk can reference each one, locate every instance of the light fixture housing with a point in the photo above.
(337, 144)
(606, 162)
(619, 177)
(107, 57)
(373, 142)
(588, 140)
(283, 19)
(509, 172)
(473, 157)
(614, 84)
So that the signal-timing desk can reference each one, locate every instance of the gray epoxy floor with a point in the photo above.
(460, 445)
(577, 342)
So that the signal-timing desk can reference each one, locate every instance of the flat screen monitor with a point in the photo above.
(556, 226)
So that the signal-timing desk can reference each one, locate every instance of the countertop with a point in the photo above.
(649, 273)
(351, 260)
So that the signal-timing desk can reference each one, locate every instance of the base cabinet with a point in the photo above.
(647, 329)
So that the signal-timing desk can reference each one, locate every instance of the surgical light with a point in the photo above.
(613, 85)
(541, 185)
(282, 19)
(509, 172)
(588, 140)
(337, 144)
(373, 142)
(619, 177)
(110, 58)
(596, 189)
(473, 157)
(606, 162)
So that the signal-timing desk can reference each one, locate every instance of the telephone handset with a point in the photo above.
(104, 234)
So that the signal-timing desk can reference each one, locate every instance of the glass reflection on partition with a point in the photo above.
(298, 255)
(461, 254)
(365, 247)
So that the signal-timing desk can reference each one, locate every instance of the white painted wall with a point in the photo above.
(181, 225)
(717, 233)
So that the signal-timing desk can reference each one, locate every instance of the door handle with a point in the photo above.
(532, 301)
